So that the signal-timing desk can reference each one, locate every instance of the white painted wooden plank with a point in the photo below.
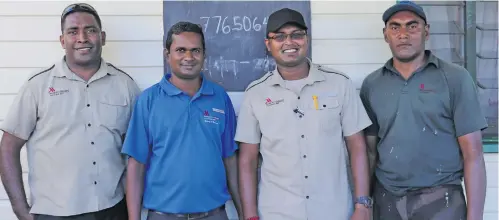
(349, 7)
(44, 8)
(48, 28)
(347, 26)
(5, 102)
(350, 51)
(145, 76)
(357, 72)
(491, 216)
(492, 173)
(491, 201)
(11, 79)
(41, 54)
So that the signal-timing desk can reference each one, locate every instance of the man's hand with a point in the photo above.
(361, 213)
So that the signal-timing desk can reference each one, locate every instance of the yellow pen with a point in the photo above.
(316, 103)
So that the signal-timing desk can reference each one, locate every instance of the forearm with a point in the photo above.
(372, 153)
(232, 181)
(11, 173)
(134, 188)
(247, 186)
(360, 173)
(476, 183)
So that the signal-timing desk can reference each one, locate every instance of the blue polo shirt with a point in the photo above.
(182, 141)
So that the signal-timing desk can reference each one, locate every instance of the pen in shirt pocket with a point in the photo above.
(316, 103)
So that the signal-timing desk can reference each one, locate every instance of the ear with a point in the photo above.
(61, 39)
(103, 37)
(267, 44)
(166, 53)
(427, 31)
(384, 35)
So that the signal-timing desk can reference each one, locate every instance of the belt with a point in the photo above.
(197, 215)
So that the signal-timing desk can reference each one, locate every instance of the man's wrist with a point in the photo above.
(253, 218)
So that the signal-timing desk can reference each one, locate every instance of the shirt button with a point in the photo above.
(306, 177)
(405, 84)
(302, 136)
(298, 97)
(304, 156)
(92, 143)
(300, 116)
(307, 197)
(89, 124)
(95, 182)
(94, 162)
(88, 105)
(87, 86)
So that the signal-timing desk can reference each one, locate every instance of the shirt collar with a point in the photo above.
(172, 90)
(64, 71)
(431, 59)
(314, 75)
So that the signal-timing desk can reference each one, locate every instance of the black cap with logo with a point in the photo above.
(285, 16)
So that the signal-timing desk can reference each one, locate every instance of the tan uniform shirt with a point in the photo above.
(74, 135)
(304, 174)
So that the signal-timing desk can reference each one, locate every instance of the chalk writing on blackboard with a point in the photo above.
(234, 35)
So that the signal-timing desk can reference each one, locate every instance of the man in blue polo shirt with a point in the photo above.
(181, 139)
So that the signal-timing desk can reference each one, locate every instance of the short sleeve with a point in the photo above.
(467, 114)
(373, 129)
(137, 142)
(248, 128)
(353, 115)
(229, 145)
(21, 118)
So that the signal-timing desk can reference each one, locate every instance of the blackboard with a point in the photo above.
(234, 36)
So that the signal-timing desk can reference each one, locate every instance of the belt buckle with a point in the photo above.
(197, 215)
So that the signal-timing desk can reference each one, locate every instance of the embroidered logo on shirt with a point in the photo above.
(269, 102)
(423, 89)
(210, 119)
(218, 110)
(53, 92)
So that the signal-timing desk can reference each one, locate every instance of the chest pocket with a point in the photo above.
(113, 112)
(326, 113)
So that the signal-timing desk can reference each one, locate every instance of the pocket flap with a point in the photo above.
(116, 100)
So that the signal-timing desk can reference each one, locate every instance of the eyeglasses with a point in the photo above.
(294, 36)
(78, 7)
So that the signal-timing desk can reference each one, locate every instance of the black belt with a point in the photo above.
(196, 215)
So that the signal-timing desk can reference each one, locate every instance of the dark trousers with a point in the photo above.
(437, 203)
(117, 212)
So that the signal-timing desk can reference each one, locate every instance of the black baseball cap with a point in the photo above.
(404, 6)
(285, 16)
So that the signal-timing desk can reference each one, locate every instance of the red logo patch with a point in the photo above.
(206, 113)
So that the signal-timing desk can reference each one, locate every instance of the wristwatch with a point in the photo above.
(364, 200)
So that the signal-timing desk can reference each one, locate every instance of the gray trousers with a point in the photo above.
(220, 215)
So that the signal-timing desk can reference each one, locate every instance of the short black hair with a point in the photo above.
(81, 7)
(180, 27)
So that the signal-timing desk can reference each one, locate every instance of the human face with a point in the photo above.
(406, 34)
(82, 39)
(288, 46)
(186, 56)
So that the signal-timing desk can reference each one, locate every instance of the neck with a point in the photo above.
(189, 86)
(406, 69)
(295, 72)
(84, 72)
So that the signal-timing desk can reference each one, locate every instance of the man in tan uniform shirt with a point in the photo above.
(299, 115)
(72, 117)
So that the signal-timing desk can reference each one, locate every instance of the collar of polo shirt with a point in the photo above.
(313, 75)
(431, 59)
(64, 71)
(172, 90)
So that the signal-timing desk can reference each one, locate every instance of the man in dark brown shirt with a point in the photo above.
(426, 128)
